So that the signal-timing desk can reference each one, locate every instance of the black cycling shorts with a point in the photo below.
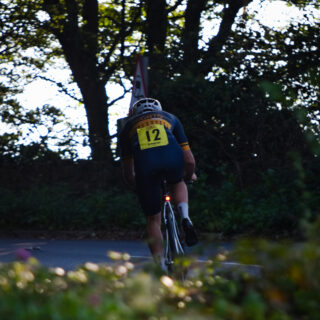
(151, 167)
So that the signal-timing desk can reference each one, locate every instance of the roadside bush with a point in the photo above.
(287, 286)
(58, 207)
(75, 198)
(273, 207)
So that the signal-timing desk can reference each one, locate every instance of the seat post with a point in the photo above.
(164, 187)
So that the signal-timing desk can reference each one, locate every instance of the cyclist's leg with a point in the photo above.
(179, 190)
(179, 193)
(154, 234)
(174, 175)
(149, 194)
(180, 198)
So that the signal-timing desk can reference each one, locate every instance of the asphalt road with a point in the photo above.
(68, 254)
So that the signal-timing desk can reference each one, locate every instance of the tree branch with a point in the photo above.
(61, 87)
(118, 98)
(175, 6)
(215, 44)
(119, 38)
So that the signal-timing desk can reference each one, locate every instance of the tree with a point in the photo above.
(21, 124)
(98, 39)
(245, 112)
(173, 33)
(92, 39)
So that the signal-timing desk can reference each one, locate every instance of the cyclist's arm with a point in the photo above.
(189, 165)
(128, 172)
(189, 161)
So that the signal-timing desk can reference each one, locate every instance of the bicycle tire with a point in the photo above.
(175, 247)
(173, 235)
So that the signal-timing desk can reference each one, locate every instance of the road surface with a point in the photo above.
(69, 254)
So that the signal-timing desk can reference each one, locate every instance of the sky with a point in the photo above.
(272, 13)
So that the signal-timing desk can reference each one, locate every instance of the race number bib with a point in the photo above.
(152, 136)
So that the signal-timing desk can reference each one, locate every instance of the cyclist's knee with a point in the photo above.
(180, 192)
(154, 218)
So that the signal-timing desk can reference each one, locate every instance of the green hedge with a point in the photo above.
(272, 204)
(58, 207)
(273, 207)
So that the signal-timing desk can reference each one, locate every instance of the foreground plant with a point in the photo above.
(286, 286)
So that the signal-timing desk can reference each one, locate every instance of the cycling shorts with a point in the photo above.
(151, 167)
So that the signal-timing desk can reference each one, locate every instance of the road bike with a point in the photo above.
(173, 238)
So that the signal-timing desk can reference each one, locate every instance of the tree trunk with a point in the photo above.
(191, 34)
(80, 47)
(156, 35)
(95, 101)
(95, 98)
(157, 22)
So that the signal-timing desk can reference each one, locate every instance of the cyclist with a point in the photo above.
(154, 147)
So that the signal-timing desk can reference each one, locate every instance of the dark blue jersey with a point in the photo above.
(151, 131)
(155, 140)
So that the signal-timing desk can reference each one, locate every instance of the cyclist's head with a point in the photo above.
(145, 105)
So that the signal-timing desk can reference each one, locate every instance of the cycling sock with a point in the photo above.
(163, 265)
(159, 260)
(183, 209)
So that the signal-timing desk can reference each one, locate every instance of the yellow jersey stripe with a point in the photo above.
(185, 146)
(148, 122)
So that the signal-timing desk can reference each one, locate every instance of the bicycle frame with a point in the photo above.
(173, 245)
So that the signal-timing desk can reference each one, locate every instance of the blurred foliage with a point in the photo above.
(273, 280)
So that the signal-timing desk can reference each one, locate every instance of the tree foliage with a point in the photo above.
(89, 35)
(243, 81)
(22, 126)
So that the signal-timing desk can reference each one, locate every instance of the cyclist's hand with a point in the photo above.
(194, 177)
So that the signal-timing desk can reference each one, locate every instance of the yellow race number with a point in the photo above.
(152, 136)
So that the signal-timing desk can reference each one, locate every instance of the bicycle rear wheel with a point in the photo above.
(175, 244)
(174, 248)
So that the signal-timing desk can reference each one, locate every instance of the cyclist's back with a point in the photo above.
(145, 132)
(155, 140)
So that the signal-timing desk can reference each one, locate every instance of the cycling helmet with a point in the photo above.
(144, 105)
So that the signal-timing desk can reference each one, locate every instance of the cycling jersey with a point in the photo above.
(155, 140)
(150, 130)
